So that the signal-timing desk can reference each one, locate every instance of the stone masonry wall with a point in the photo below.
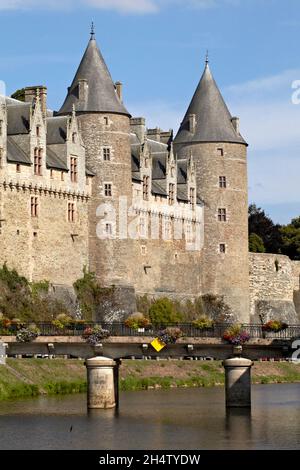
(47, 247)
(272, 287)
(296, 272)
(223, 273)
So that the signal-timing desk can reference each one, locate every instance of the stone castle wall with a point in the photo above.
(274, 285)
(224, 273)
(47, 247)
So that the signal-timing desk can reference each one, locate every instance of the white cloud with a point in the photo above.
(125, 6)
(121, 6)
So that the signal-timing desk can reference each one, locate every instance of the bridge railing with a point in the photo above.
(188, 329)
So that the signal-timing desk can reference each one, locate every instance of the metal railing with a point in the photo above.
(188, 330)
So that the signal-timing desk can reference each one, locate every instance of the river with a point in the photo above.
(166, 419)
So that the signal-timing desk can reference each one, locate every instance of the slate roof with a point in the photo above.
(53, 161)
(101, 94)
(213, 119)
(158, 167)
(182, 171)
(57, 130)
(18, 118)
(159, 188)
(16, 154)
(182, 192)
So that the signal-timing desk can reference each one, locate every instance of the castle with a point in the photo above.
(91, 187)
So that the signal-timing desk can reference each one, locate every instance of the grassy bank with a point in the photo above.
(32, 377)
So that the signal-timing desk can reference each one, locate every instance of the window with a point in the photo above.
(106, 122)
(171, 193)
(74, 173)
(222, 248)
(1, 127)
(34, 206)
(220, 152)
(38, 131)
(107, 189)
(192, 196)
(106, 154)
(38, 153)
(62, 176)
(143, 250)
(222, 217)
(74, 137)
(71, 212)
(1, 157)
(108, 229)
(146, 188)
(222, 182)
(51, 174)
(18, 168)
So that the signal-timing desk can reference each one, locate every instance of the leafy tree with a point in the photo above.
(291, 239)
(256, 244)
(263, 226)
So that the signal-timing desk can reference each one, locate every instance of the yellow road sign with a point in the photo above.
(158, 344)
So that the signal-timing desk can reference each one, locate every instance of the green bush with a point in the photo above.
(92, 297)
(163, 312)
(137, 320)
(203, 322)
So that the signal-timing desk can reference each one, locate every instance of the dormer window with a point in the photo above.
(38, 155)
(192, 196)
(74, 137)
(73, 173)
(171, 193)
(146, 188)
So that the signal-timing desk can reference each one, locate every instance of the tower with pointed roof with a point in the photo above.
(105, 130)
(211, 135)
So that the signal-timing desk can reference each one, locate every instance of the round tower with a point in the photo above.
(212, 136)
(105, 130)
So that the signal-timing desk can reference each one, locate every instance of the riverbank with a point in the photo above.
(32, 377)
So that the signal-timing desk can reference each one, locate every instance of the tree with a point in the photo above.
(256, 244)
(263, 226)
(291, 239)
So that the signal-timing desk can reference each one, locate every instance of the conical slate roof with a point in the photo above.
(213, 119)
(101, 95)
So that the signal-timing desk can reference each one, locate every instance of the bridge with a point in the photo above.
(125, 342)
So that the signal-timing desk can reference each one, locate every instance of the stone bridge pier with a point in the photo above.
(102, 382)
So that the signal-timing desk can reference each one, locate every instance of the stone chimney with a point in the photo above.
(83, 90)
(138, 127)
(30, 93)
(236, 124)
(119, 90)
(154, 134)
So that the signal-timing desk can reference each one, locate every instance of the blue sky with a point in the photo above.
(157, 49)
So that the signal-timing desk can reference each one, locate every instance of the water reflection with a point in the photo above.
(238, 425)
(166, 419)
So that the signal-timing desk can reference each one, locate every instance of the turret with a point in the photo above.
(105, 129)
(219, 156)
